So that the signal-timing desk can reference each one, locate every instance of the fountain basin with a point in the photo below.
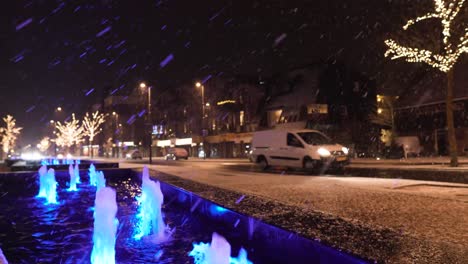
(33, 232)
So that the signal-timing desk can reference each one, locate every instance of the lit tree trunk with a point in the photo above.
(91, 147)
(452, 140)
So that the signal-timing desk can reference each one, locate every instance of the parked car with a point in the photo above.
(304, 148)
(410, 144)
(176, 153)
(134, 154)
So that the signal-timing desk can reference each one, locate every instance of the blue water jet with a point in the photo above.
(217, 252)
(105, 227)
(92, 175)
(77, 173)
(73, 178)
(100, 180)
(42, 181)
(51, 187)
(150, 218)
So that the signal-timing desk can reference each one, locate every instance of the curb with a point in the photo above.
(421, 174)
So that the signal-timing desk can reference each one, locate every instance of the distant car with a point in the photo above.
(176, 153)
(134, 154)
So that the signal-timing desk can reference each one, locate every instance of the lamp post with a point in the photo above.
(199, 85)
(52, 123)
(143, 85)
(116, 133)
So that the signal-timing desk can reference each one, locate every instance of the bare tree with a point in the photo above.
(9, 133)
(444, 60)
(91, 125)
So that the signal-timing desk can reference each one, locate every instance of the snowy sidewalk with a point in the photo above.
(424, 168)
(410, 161)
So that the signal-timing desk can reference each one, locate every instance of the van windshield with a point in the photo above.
(313, 138)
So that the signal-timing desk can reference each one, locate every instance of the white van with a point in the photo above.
(298, 148)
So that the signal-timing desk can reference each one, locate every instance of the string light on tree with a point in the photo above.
(9, 133)
(445, 60)
(91, 125)
(446, 11)
(44, 144)
(69, 133)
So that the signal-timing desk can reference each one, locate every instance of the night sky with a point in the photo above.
(63, 53)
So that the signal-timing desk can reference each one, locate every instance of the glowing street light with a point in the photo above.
(59, 108)
(143, 86)
(199, 85)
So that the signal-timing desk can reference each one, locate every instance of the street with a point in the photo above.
(427, 210)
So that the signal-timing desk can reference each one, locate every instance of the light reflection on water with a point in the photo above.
(34, 232)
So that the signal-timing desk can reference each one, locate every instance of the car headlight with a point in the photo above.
(323, 152)
(345, 150)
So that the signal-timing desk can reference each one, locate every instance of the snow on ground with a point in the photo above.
(429, 210)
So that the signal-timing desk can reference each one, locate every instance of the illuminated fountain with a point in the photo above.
(51, 187)
(42, 181)
(105, 227)
(3, 260)
(217, 252)
(73, 178)
(92, 175)
(77, 173)
(100, 180)
(150, 218)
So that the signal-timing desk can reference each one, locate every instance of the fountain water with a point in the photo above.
(73, 178)
(77, 173)
(100, 180)
(150, 218)
(105, 227)
(42, 181)
(51, 187)
(3, 260)
(217, 252)
(92, 175)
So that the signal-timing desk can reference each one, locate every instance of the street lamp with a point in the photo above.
(143, 85)
(199, 85)
(116, 133)
(59, 108)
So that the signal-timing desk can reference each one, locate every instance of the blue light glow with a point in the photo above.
(217, 210)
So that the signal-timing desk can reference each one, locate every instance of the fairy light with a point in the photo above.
(9, 134)
(69, 133)
(92, 123)
(446, 11)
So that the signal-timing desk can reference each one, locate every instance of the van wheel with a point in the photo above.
(262, 163)
(309, 164)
